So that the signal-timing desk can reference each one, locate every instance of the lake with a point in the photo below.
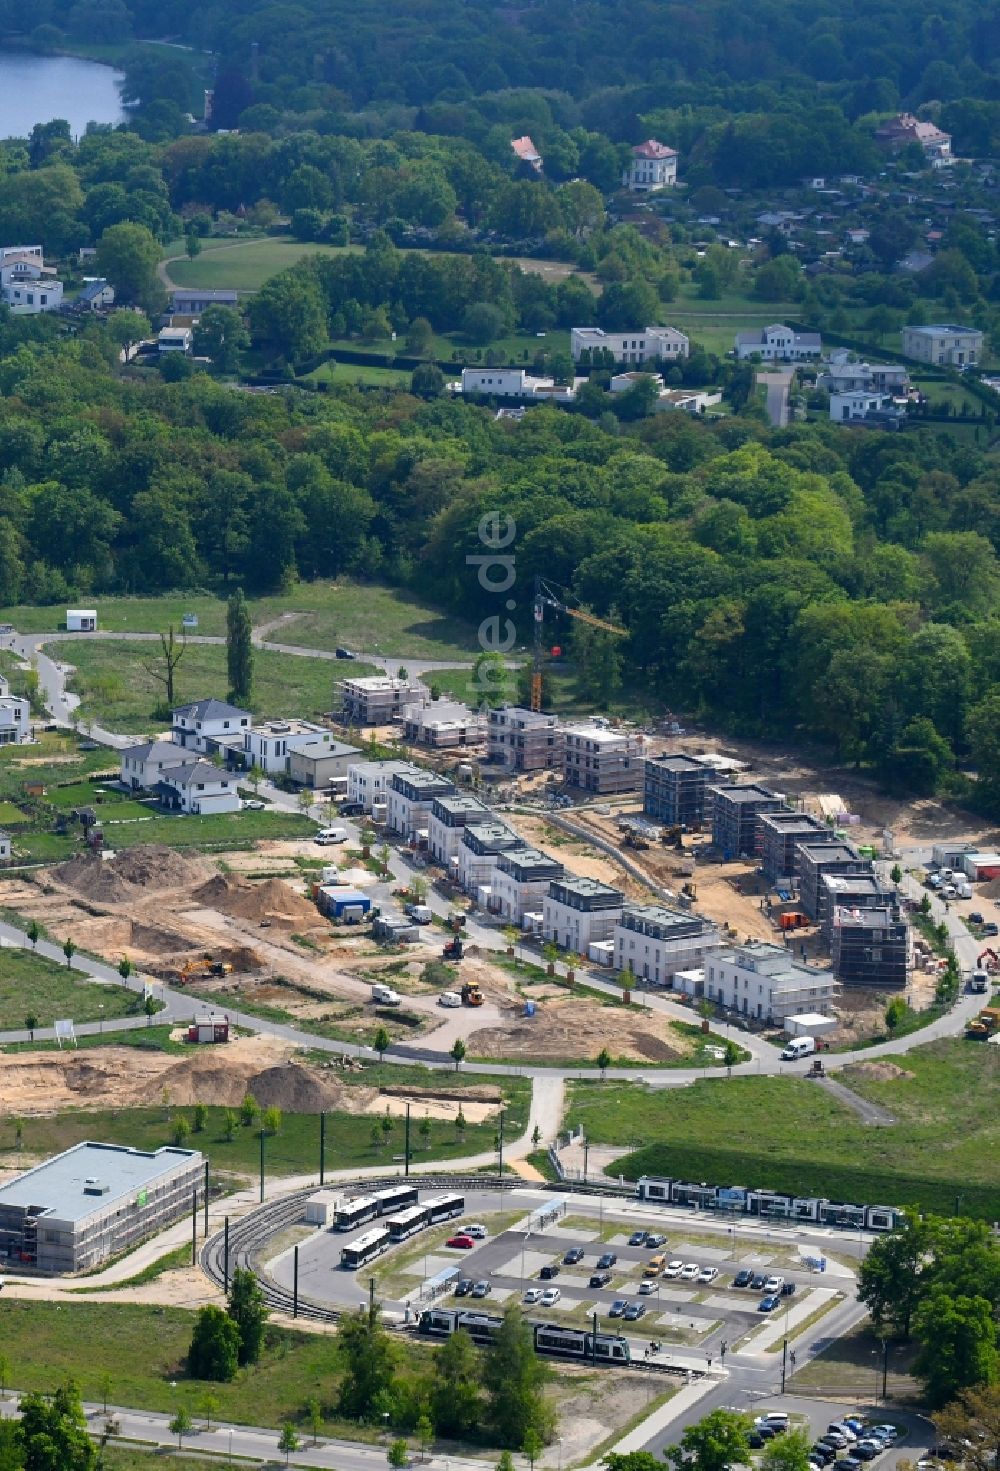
(36, 89)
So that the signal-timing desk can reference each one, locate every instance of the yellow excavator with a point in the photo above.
(195, 970)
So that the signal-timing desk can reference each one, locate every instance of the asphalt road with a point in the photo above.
(777, 381)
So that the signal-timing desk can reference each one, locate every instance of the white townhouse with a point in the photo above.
(479, 852)
(411, 794)
(578, 911)
(202, 725)
(197, 788)
(763, 981)
(652, 166)
(446, 822)
(142, 766)
(15, 720)
(639, 345)
(368, 781)
(269, 746)
(521, 882)
(777, 343)
(653, 942)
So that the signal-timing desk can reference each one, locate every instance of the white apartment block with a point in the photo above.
(653, 943)
(410, 797)
(368, 781)
(446, 823)
(269, 746)
(521, 882)
(944, 344)
(652, 345)
(15, 720)
(442, 723)
(578, 911)
(764, 981)
(479, 852)
(861, 405)
(514, 383)
(652, 166)
(598, 759)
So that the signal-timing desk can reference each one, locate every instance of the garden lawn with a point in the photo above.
(364, 616)
(243, 265)
(294, 1150)
(30, 983)
(143, 1349)
(360, 375)
(120, 692)
(790, 1135)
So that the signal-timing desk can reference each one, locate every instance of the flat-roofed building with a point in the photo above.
(410, 795)
(446, 821)
(521, 882)
(479, 850)
(577, 911)
(524, 740)
(378, 699)
(871, 948)
(653, 942)
(600, 760)
(368, 781)
(735, 810)
(442, 723)
(77, 1209)
(817, 859)
(762, 981)
(779, 834)
(852, 891)
(319, 762)
(674, 787)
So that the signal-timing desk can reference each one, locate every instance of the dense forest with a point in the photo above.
(800, 579)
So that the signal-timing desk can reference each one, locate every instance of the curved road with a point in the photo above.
(179, 1007)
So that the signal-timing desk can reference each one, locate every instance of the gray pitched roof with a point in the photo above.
(156, 749)
(190, 773)
(210, 710)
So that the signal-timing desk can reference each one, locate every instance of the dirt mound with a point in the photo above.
(128, 875)
(879, 1072)
(272, 900)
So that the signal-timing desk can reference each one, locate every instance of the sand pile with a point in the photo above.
(130, 874)
(879, 1072)
(273, 900)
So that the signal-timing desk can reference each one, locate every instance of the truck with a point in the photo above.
(385, 995)
(979, 982)
(454, 950)
(420, 913)
(471, 994)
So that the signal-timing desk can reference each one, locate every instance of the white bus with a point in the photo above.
(370, 1245)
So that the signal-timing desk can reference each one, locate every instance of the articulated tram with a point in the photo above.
(549, 1338)
(736, 1200)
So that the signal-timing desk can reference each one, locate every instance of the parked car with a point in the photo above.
(550, 1297)
(634, 1311)
(774, 1284)
(533, 1294)
(849, 1463)
(867, 1450)
(638, 1238)
(460, 1242)
(617, 1308)
(674, 1268)
(345, 654)
(788, 1289)
(826, 1453)
(777, 1419)
(477, 1231)
(464, 1286)
(842, 1428)
(835, 1438)
(655, 1239)
(606, 1259)
(689, 1272)
(599, 1279)
(254, 804)
(352, 809)
(990, 928)
(646, 1287)
(743, 1278)
(708, 1274)
(482, 1288)
(975, 917)
(574, 1255)
(758, 1282)
(768, 1304)
(547, 1273)
(886, 1432)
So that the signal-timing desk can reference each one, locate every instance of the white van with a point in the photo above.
(798, 1047)
(385, 996)
(420, 913)
(449, 998)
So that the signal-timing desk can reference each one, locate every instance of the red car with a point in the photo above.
(463, 1242)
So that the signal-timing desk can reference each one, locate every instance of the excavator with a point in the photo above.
(455, 949)
(194, 970)
(982, 1027)
(546, 597)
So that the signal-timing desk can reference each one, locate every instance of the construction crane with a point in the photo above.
(545, 596)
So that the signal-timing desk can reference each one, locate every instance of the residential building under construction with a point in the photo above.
(601, 760)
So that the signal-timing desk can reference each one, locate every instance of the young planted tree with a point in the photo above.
(247, 1309)
(604, 1062)
(34, 933)
(380, 1042)
(288, 1440)
(30, 1024)
(181, 1424)
(457, 1054)
(69, 950)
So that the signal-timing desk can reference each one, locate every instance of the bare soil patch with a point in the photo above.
(879, 1072)
(576, 1027)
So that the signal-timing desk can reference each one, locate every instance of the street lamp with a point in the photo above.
(100, 1008)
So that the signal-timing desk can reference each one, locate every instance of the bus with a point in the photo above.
(356, 1212)
(443, 1207)
(407, 1223)
(395, 1198)
(370, 1245)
